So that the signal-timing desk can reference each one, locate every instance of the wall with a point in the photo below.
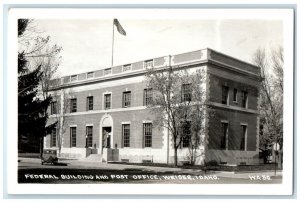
(219, 57)
(218, 75)
(234, 114)
(232, 157)
(136, 128)
(235, 119)
(116, 96)
(216, 83)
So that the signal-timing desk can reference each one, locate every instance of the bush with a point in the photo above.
(211, 163)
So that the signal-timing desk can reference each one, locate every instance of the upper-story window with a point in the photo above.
(126, 99)
(148, 63)
(235, 95)
(225, 95)
(186, 92)
(73, 105)
(74, 78)
(244, 99)
(53, 107)
(89, 103)
(107, 71)
(147, 96)
(107, 101)
(127, 67)
(90, 75)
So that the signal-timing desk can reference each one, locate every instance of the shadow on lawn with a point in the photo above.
(60, 164)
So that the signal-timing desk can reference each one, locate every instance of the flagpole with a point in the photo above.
(112, 50)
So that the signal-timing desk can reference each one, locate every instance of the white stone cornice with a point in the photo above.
(235, 108)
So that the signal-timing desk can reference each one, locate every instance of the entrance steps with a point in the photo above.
(93, 157)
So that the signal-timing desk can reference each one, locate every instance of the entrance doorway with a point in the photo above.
(106, 138)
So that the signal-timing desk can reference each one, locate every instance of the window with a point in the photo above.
(244, 99)
(107, 71)
(147, 96)
(225, 97)
(186, 92)
(53, 107)
(73, 105)
(74, 77)
(89, 134)
(234, 95)
(126, 135)
(89, 103)
(186, 134)
(107, 101)
(243, 138)
(126, 67)
(90, 75)
(126, 99)
(73, 136)
(148, 134)
(53, 138)
(148, 63)
(261, 129)
(224, 136)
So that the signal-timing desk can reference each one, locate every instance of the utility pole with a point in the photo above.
(112, 50)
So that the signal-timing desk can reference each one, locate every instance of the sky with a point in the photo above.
(87, 43)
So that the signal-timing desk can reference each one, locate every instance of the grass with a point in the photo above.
(208, 167)
(29, 155)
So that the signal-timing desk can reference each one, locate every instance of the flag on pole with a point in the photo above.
(119, 27)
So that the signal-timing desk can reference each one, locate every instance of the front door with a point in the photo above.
(106, 138)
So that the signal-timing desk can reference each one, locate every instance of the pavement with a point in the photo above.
(256, 175)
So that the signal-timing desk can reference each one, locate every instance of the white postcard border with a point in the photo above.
(286, 15)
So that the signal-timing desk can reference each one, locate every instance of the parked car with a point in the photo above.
(49, 156)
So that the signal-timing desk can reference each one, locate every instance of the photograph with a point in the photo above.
(153, 97)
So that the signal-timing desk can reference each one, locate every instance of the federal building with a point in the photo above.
(102, 115)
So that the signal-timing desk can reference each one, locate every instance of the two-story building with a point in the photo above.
(102, 115)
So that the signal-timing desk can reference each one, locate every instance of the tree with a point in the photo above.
(63, 106)
(271, 96)
(32, 103)
(179, 105)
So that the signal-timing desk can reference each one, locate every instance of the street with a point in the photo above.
(31, 171)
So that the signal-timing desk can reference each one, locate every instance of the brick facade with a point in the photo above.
(236, 75)
(234, 114)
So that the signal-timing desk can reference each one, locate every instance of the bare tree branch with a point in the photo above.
(271, 95)
(172, 110)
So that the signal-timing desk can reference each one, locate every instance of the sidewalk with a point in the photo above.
(249, 175)
(115, 166)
